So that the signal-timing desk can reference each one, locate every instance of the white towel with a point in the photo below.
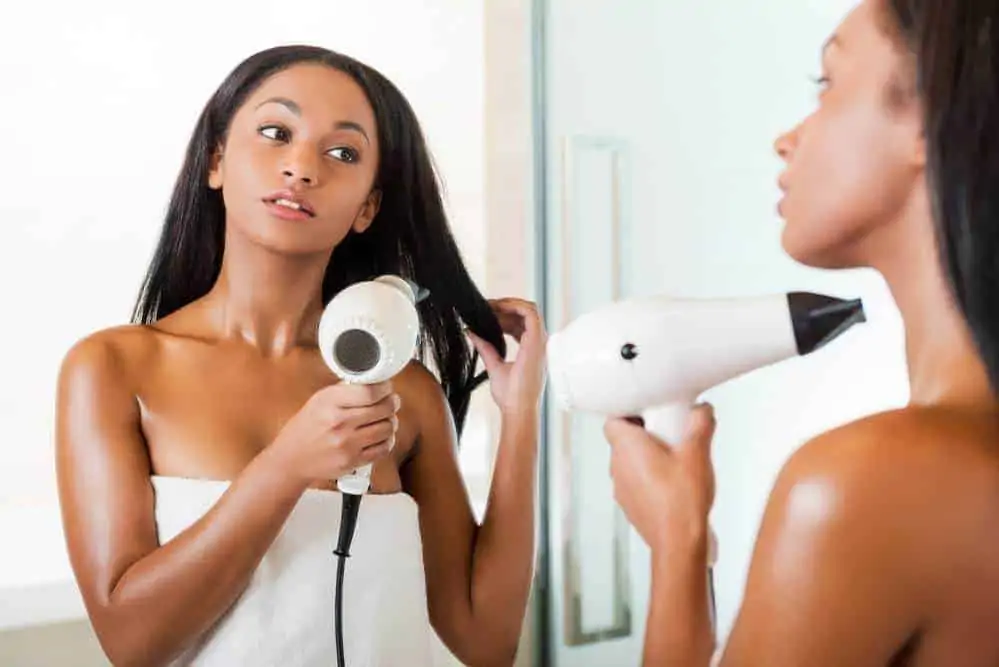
(284, 618)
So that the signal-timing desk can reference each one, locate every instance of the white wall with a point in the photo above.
(99, 101)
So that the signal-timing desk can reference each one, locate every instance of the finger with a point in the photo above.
(699, 433)
(374, 452)
(359, 395)
(512, 306)
(490, 357)
(386, 408)
(531, 328)
(622, 431)
(512, 324)
(372, 434)
(512, 302)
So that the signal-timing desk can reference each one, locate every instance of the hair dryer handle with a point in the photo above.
(356, 482)
(668, 423)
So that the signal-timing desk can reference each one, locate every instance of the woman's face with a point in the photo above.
(853, 165)
(298, 167)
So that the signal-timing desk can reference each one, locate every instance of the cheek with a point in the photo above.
(252, 169)
(843, 181)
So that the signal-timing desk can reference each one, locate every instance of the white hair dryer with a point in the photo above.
(652, 357)
(367, 334)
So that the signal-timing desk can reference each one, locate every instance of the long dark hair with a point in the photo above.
(955, 44)
(410, 236)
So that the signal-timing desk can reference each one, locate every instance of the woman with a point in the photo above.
(879, 544)
(196, 447)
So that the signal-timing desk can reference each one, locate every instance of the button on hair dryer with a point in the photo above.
(652, 357)
(367, 333)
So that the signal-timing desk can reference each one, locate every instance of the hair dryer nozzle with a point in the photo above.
(818, 318)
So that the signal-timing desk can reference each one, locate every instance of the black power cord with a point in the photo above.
(712, 604)
(351, 503)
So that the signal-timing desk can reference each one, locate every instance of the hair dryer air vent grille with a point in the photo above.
(357, 351)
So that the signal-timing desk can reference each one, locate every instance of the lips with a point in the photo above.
(291, 202)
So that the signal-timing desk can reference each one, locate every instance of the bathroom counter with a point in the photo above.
(36, 581)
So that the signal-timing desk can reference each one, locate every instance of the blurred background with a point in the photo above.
(591, 150)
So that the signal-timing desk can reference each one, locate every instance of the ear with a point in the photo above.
(368, 212)
(216, 169)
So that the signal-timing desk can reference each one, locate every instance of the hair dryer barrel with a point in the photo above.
(367, 334)
(652, 357)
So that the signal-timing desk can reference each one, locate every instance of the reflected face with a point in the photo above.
(298, 166)
(853, 165)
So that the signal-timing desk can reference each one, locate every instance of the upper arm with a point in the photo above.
(102, 469)
(433, 477)
(835, 575)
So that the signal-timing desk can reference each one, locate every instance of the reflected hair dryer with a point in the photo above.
(652, 357)
(368, 333)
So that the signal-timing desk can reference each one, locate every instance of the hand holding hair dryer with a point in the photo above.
(652, 357)
(368, 333)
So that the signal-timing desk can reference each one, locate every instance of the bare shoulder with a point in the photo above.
(425, 414)
(421, 390)
(901, 482)
(109, 354)
(896, 450)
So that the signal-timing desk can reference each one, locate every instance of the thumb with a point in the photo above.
(700, 432)
(490, 357)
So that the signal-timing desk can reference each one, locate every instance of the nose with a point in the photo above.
(784, 145)
(300, 167)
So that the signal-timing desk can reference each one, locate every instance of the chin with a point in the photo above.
(815, 253)
(286, 238)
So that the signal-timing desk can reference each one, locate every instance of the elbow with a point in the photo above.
(501, 656)
(126, 652)
(122, 639)
(490, 648)
(117, 647)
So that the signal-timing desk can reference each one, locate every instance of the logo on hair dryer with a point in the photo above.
(367, 334)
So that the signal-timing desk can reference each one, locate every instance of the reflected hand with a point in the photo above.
(665, 490)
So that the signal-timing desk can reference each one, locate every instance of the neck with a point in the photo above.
(943, 362)
(269, 300)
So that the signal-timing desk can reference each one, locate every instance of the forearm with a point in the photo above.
(503, 560)
(166, 600)
(679, 629)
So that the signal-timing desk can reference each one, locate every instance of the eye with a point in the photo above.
(274, 132)
(343, 154)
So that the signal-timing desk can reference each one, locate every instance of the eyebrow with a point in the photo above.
(293, 107)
